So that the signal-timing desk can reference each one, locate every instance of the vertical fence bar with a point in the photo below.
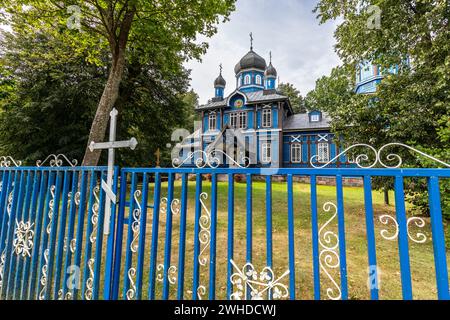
(65, 293)
(168, 242)
(154, 244)
(99, 238)
(61, 235)
(370, 232)
(37, 235)
(291, 237)
(15, 213)
(249, 224)
(92, 207)
(80, 227)
(119, 236)
(405, 267)
(128, 252)
(24, 218)
(437, 228)
(32, 216)
(341, 229)
(142, 235)
(54, 226)
(198, 211)
(315, 238)
(212, 259)
(109, 264)
(269, 250)
(230, 233)
(182, 243)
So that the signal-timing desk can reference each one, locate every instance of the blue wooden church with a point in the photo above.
(270, 134)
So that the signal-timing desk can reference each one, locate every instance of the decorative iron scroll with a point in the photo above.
(44, 275)
(171, 274)
(419, 222)
(94, 218)
(210, 159)
(23, 242)
(136, 224)
(61, 296)
(204, 236)
(57, 161)
(174, 206)
(7, 161)
(90, 280)
(328, 255)
(201, 291)
(378, 158)
(258, 283)
(131, 293)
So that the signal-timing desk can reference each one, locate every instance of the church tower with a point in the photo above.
(270, 75)
(219, 85)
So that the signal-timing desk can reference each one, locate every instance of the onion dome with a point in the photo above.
(220, 81)
(251, 60)
(270, 71)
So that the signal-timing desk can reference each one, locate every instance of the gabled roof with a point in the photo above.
(301, 121)
(259, 96)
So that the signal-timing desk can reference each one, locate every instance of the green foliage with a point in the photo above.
(412, 107)
(297, 100)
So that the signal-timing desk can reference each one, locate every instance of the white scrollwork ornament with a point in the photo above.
(23, 242)
(210, 159)
(50, 210)
(171, 274)
(131, 293)
(57, 161)
(94, 217)
(90, 280)
(377, 157)
(2, 267)
(204, 235)
(328, 255)
(419, 237)
(62, 296)
(44, 275)
(7, 161)
(259, 284)
(136, 224)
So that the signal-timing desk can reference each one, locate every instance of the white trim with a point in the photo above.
(251, 86)
(234, 93)
(299, 147)
(266, 157)
(264, 116)
(326, 156)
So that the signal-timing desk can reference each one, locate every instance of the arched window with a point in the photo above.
(258, 80)
(247, 79)
(239, 81)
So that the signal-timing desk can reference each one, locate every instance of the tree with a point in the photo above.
(411, 107)
(47, 104)
(164, 30)
(297, 101)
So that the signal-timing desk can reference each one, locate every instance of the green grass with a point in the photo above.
(421, 255)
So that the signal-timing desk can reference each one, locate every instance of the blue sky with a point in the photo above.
(302, 50)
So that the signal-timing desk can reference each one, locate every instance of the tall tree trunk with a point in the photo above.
(106, 104)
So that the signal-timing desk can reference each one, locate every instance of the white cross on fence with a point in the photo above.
(111, 145)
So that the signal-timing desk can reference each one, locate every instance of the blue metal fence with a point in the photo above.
(168, 241)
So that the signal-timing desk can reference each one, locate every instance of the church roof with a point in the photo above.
(220, 81)
(301, 121)
(251, 60)
(270, 71)
(252, 97)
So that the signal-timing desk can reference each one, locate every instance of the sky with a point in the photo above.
(302, 50)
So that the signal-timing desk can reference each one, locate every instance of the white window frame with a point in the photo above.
(315, 118)
(323, 152)
(247, 79)
(242, 120)
(266, 152)
(266, 121)
(258, 79)
(212, 119)
(234, 120)
(296, 157)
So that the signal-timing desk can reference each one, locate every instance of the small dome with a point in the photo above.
(251, 60)
(270, 71)
(220, 81)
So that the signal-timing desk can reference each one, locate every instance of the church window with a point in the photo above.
(267, 118)
(323, 152)
(266, 152)
(258, 80)
(247, 79)
(315, 118)
(212, 121)
(238, 120)
(296, 153)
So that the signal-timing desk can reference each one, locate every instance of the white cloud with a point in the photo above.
(302, 49)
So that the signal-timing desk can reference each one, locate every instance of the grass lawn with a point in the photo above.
(421, 255)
